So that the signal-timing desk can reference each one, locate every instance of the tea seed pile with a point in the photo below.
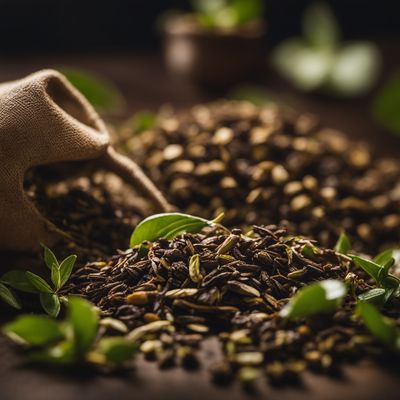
(232, 286)
(268, 165)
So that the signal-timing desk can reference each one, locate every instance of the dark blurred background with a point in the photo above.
(59, 25)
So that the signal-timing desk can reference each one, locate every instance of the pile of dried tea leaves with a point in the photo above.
(269, 165)
(233, 286)
(92, 210)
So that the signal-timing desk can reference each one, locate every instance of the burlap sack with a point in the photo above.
(45, 120)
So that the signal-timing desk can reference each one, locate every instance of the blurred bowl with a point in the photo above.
(213, 57)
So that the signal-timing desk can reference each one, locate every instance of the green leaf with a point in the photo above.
(39, 283)
(142, 121)
(385, 258)
(343, 244)
(50, 303)
(66, 268)
(35, 330)
(375, 296)
(383, 328)
(49, 257)
(116, 350)
(100, 92)
(8, 296)
(17, 279)
(168, 226)
(320, 27)
(56, 276)
(305, 67)
(371, 268)
(355, 70)
(318, 298)
(247, 10)
(386, 104)
(83, 318)
(60, 354)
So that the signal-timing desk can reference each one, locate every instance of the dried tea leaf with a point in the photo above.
(179, 293)
(152, 327)
(194, 269)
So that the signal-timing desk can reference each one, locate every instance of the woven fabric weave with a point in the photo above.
(45, 120)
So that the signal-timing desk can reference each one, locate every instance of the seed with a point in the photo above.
(194, 269)
(198, 328)
(279, 175)
(173, 151)
(140, 298)
(242, 288)
(249, 358)
(141, 331)
(179, 293)
(115, 324)
(300, 202)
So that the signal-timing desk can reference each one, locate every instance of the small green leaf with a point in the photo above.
(142, 121)
(369, 267)
(116, 350)
(49, 257)
(100, 92)
(355, 70)
(60, 354)
(383, 328)
(50, 303)
(168, 226)
(66, 269)
(320, 27)
(375, 296)
(318, 298)
(305, 67)
(386, 104)
(56, 276)
(35, 330)
(17, 279)
(83, 318)
(343, 244)
(39, 283)
(385, 258)
(9, 297)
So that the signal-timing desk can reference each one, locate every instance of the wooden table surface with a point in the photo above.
(146, 85)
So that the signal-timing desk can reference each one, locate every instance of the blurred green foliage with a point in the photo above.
(320, 61)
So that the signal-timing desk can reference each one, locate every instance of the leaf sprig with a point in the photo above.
(71, 341)
(29, 282)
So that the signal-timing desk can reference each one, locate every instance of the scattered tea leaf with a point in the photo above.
(50, 303)
(343, 244)
(386, 104)
(83, 319)
(168, 225)
(35, 330)
(9, 297)
(383, 328)
(39, 283)
(321, 297)
(100, 92)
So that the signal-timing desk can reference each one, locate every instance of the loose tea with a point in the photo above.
(234, 286)
(271, 165)
(92, 210)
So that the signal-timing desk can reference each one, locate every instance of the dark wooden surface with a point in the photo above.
(146, 85)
